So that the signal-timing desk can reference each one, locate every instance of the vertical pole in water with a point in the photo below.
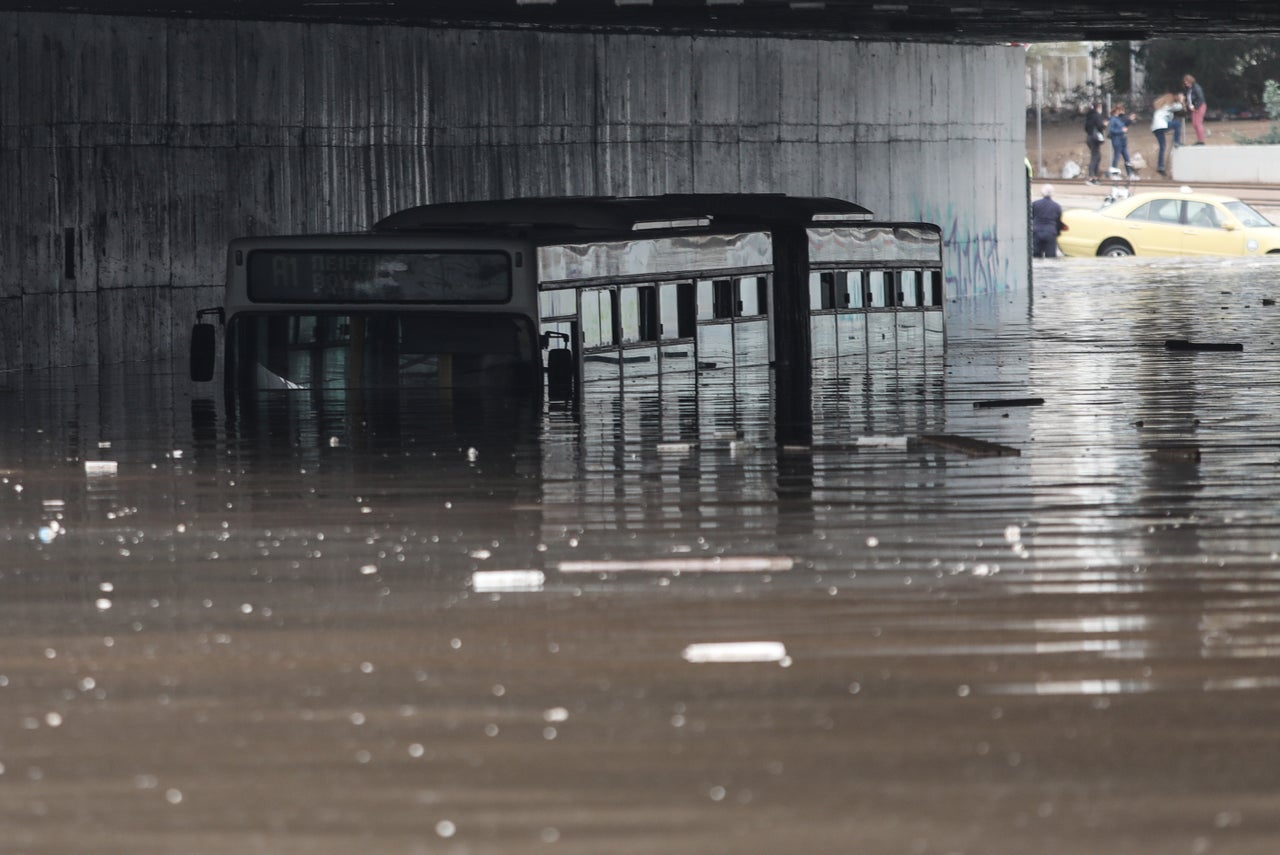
(793, 352)
(1040, 118)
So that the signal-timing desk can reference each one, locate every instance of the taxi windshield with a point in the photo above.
(1248, 217)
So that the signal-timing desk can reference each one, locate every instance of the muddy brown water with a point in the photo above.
(360, 625)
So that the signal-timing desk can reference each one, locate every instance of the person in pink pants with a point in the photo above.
(1196, 106)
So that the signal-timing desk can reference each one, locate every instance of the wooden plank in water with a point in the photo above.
(969, 446)
(1219, 346)
(1007, 402)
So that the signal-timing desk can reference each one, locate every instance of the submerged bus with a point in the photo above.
(560, 296)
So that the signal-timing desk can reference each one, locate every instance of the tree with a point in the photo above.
(1232, 72)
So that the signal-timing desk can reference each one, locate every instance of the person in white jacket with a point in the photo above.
(1160, 121)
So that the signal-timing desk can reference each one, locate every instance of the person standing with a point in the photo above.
(1095, 133)
(1118, 129)
(1046, 224)
(1160, 119)
(1196, 105)
(1179, 108)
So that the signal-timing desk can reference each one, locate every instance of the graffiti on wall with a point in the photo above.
(974, 260)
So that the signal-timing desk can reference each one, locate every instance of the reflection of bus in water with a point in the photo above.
(572, 294)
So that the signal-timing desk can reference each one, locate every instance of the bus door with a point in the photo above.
(639, 331)
(837, 323)
(598, 326)
(910, 323)
(881, 299)
(935, 335)
(677, 334)
(751, 345)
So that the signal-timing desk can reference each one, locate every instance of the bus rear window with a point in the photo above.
(378, 276)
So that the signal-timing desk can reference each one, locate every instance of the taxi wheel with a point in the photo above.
(1115, 248)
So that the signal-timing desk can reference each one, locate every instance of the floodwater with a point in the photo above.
(405, 627)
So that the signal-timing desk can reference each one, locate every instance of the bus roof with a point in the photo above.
(555, 218)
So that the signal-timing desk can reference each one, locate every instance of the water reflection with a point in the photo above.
(408, 624)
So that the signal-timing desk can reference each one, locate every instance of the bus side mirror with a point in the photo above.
(204, 344)
(204, 351)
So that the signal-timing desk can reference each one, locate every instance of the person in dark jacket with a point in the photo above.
(1046, 224)
(1118, 129)
(1095, 132)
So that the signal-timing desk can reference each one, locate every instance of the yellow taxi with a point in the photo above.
(1176, 222)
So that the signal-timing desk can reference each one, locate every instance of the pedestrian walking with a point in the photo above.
(1118, 130)
(1196, 105)
(1161, 116)
(1046, 224)
(1095, 134)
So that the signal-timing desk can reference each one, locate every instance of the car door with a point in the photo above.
(1162, 231)
(1204, 232)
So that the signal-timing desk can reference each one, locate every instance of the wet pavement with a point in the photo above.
(360, 625)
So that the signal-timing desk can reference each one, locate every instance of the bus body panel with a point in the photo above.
(687, 296)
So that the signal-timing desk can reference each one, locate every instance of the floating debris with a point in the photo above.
(969, 446)
(100, 467)
(736, 651)
(1220, 346)
(489, 581)
(721, 564)
(882, 441)
(1007, 402)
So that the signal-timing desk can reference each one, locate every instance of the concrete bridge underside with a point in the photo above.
(133, 148)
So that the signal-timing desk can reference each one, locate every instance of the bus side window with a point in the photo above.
(557, 304)
(677, 310)
(822, 290)
(935, 288)
(854, 292)
(688, 307)
(639, 314)
(909, 288)
(706, 300)
(753, 296)
(715, 299)
(876, 288)
(597, 318)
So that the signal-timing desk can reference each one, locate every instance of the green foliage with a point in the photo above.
(1232, 72)
(1271, 98)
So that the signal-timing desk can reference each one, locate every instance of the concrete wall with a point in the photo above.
(1243, 164)
(132, 149)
